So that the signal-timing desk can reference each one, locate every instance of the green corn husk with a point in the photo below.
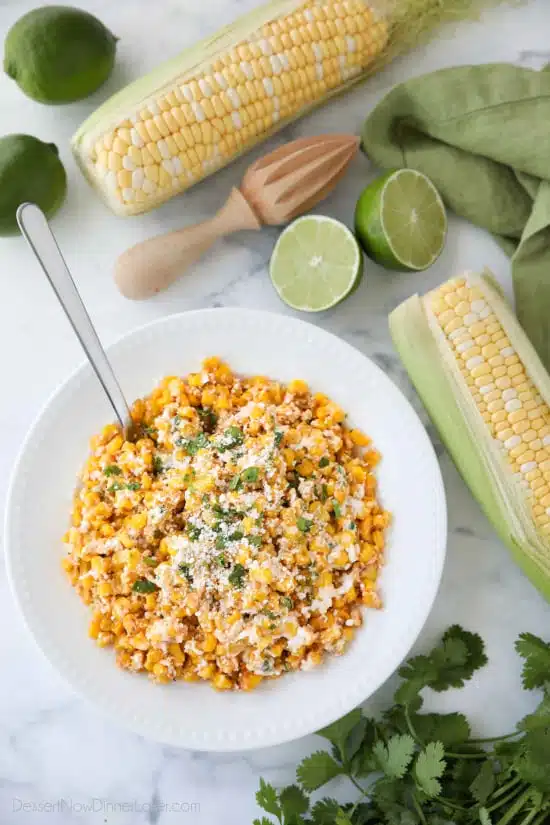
(399, 24)
(482, 460)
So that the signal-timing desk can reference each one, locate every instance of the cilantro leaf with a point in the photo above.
(354, 739)
(338, 732)
(429, 768)
(447, 728)
(483, 785)
(536, 656)
(336, 508)
(208, 418)
(144, 586)
(540, 718)
(237, 576)
(250, 474)
(158, 466)
(450, 664)
(303, 524)
(317, 769)
(266, 798)
(232, 437)
(324, 812)
(112, 470)
(394, 757)
(484, 817)
(193, 445)
(293, 802)
(324, 462)
(278, 437)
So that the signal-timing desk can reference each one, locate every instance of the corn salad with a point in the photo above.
(238, 538)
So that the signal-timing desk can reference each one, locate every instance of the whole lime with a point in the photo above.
(58, 54)
(30, 171)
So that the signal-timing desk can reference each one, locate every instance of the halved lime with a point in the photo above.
(316, 263)
(400, 220)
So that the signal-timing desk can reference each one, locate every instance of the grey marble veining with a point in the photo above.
(56, 750)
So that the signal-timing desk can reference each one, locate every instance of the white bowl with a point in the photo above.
(193, 714)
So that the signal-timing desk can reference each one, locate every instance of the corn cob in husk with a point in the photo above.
(488, 394)
(198, 112)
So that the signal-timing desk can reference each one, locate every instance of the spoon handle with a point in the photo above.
(37, 233)
(150, 266)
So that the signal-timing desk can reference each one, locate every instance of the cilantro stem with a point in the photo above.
(419, 810)
(410, 724)
(536, 812)
(357, 785)
(505, 788)
(489, 739)
(515, 808)
(504, 800)
(466, 755)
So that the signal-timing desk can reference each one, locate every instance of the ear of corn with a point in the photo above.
(198, 112)
(488, 394)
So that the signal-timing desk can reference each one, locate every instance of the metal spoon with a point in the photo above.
(39, 236)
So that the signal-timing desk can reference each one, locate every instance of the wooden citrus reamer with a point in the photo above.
(276, 189)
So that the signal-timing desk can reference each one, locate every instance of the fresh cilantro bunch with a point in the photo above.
(415, 768)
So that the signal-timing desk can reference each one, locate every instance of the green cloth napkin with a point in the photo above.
(482, 134)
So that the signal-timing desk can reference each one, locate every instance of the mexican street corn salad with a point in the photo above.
(236, 539)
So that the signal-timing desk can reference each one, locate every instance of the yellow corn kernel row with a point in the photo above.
(506, 397)
(201, 121)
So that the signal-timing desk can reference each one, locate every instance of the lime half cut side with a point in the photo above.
(401, 221)
(316, 263)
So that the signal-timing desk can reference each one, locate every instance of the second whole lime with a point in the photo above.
(30, 171)
(58, 54)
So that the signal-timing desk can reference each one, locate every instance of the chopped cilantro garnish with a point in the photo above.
(269, 613)
(185, 570)
(230, 513)
(260, 520)
(293, 479)
(194, 532)
(256, 541)
(352, 525)
(250, 474)
(236, 536)
(151, 561)
(144, 586)
(208, 418)
(324, 462)
(286, 601)
(235, 483)
(323, 495)
(232, 437)
(237, 576)
(304, 524)
(267, 665)
(220, 542)
(112, 470)
(336, 508)
(193, 445)
(119, 485)
(150, 431)
(158, 466)
(279, 435)
(222, 561)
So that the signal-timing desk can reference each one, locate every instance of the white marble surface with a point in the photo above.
(56, 749)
